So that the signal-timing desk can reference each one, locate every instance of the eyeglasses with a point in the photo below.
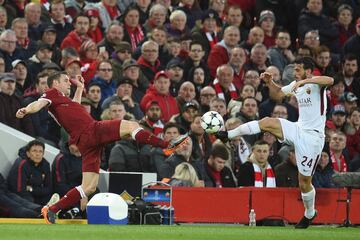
(207, 95)
(8, 41)
(196, 50)
(105, 69)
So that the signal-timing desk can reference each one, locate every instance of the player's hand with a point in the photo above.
(297, 85)
(21, 113)
(79, 81)
(266, 77)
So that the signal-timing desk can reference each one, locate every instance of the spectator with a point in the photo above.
(68, 55)
(178, 24)
(114, 35)
(94, 95)
(176, 73)
(258, 59)
(66, 169)
(192, 11)
(323, 174)
(220, 53)
(287, 173)
(3, 19)
(108, 12)
(104, 78)
(249, 112)
(344, 23)
(202, 142)
(61, 24)
(49, 37)
(14, 206)
(185, 176)
(223, 83)
(73, 68)
(197, 77)
(188, 111)
(157, 17)
(339, 157)
(349, 72)
(336, 90)
(349, 100)
(312, 39)
(338, 117)
(278, 109)
(352, 45)
(257, 172)
(149, 60)
(143, 7)
(267, 23)
(77, 36)
(256, 35)
(280, 54)
(121, 53)
(32, 14)
(353, 133)
(186, 94)
(95, 32)
(30, 175)
(234, 17)
(322, 59)
(219, 105)
(217, 174)
(237, 61)
(312, 18)
(152, 119)
(21, 73)
(24, 44)
(75, 8)
(207, 94)
(36, 63)
(219, 7)
(9, 103)
(134, 32)
(159, 92)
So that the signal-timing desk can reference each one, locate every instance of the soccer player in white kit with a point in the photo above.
(306, 135)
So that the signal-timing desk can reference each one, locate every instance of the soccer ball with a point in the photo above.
(212, 121)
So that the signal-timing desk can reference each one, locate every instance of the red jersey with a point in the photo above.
(69, 114)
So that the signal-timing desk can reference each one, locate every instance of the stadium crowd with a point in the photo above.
(164, 63)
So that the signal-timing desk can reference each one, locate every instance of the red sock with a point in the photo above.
(69, 200)
(145, 137)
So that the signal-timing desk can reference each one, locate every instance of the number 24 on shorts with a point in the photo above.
(308, 162)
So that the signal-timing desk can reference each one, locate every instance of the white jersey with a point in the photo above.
(312, 105)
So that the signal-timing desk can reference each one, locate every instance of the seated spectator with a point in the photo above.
(344, 23)
(257, 171)
(286, 172)
(175, 71)
(32, 14)
(323, 175)
(353, 133)
(157, 17)
(186, 94)
(185, 176)
(22, 78)
(74, 8)
(104, 78)
(235, 17)
(77, 36)
(338, 117)
(312, 39)
(237, 61)
(349, 100)
(108, 12)
(217, 174)
(121, 53)
(159, 92)
(10, 103)
(177, 25)
(152, 119)
(338, 153)
(352, 45)
(36, 62)
(4, 17)
(249, 112)
(219, 105)
(24, 44)
(149, 60)
(66, 169)
(207, 94)
(8, 48)
(134, 32)
(349, 72)
(256, 35)
(30, 175)
(95, 31)
(192, 11)
(114, 35)
(186, 116)
(258, 59)
(94, 95)
(197, 77)
(267, 23)
(202, 142)
(274, 146)
(223, 83)
(322, 59)
(14, 206)
(49, 37)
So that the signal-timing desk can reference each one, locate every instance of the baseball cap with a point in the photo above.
(161, 73)
(348, 97)
(43, 45)
(125, 81)
(51, 65)
(74, 61)
(266, 14)
(189, 105)
(175, 62)
(17, 61)
(50, 28)
(122, 46)
(8, 76)
(338, 109)
(129, 63)
(151, 103)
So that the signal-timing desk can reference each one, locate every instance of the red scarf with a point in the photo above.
(157, 127)
(216, 175)
(343, 166)
(113, 11)
(270, 176)
(212, 38)
(25, 44)
(136, 35)
(220, 93)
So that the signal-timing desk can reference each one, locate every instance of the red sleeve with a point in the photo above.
(50, 96)
(216, 58)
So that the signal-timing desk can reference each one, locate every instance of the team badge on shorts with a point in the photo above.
(308, 90)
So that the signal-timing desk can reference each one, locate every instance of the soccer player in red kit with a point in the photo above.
(87, 134)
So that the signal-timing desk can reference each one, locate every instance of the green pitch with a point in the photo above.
(183, 232)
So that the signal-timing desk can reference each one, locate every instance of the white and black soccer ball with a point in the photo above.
(212, 122)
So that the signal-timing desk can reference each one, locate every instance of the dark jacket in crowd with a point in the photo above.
(286, 175)
(24, 173)
(227, 178)
(322, 177)
(66, 172)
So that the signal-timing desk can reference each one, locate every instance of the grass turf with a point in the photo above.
(183, 232)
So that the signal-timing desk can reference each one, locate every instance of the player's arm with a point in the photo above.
(32, 108)
(79, 88)
(320, 80)
(275, 91)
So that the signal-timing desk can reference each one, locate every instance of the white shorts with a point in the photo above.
(308, 145)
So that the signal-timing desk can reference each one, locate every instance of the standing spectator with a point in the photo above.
(338, 153)
(24, 44)
(30, 175)
(134, 32)
(220, 53)
(217, 174)
(286, 172)
(280, 55)
(114, 35)
(108, 12)
(257, 172)
(267, 23)
(312, 18)
(77, 36)
(159, 92)
(223, 83)
(352, 45)
(323, 174)
(9, 103)
(61, 24)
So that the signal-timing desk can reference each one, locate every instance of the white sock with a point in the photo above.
(249, 128)
(133, 134)
(309, 203)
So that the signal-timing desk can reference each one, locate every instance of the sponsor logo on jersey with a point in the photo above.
(308, 90)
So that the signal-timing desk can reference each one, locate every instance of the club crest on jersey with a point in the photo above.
(308, 90)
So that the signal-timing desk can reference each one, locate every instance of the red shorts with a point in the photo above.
(92, 141)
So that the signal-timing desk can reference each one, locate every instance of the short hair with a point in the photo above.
(80, 15)
(247, 99)
(232, 121)
(177, 13)
(171, 125)
(156, 7)
(103, 61)
(220, 69)
(349, 57)
(338, 132)
(307, 62)
(217, 99)
(149, 42)
(260, 142)
(321, 49)
(196, 43)
(116, 102)
(219, 150)
(2, 9)
(18, 20)
(55, 76)
(257, 45)
(34, 143)
(41, 74)
(113, 23)
(53, 2)
(235, 7)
